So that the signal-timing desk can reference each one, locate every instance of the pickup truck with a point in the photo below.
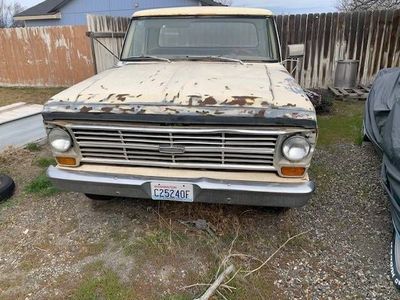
(199, 108)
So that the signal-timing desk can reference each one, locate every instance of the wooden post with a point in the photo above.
(89, 34)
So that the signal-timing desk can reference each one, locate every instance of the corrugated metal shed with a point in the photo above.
(21, 124)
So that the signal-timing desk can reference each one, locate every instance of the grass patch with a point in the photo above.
(155, 242)
(42, 186)
(45, 162)
(105, 284)
(344, 124)
(322, 175)
(10, 95)
(33, 147)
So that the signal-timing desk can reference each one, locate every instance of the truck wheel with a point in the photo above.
(7, 187)
(99, 197)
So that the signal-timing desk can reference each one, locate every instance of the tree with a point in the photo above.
(225, 2)
(359, 5)
(7, 13)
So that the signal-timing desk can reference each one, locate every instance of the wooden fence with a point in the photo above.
(44, 56)
(371, 37)
(106, 32)
(61, 56)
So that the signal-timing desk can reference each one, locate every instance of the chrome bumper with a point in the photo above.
(205, 190)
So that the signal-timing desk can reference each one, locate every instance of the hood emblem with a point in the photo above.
(168, 149)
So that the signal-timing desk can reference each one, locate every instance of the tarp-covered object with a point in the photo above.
(382, 127)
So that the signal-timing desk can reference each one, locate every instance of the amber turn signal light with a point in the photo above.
(293, 171)
(66, 161)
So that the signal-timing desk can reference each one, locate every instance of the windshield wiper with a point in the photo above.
(217, 57)
(146, 57)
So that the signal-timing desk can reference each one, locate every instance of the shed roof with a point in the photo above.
(49, 7)
(203, 10)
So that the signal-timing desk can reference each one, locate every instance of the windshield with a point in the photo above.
(244, 39)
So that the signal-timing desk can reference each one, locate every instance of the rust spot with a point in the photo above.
(241, 100)
(175, 97)
(68, 107)
(138, 96)
(141, 82)
(122, 97)
(172, 110)
(261, 113)
(107, 109)
(86, 109)
(208, 101)
(195, 83)
(264, 103)
(110, 96)
(104, 88)
(203, 112)
(290, 105)
(193, 98)
(227, 88)
(162, 83)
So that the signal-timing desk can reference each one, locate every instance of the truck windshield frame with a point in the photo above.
(232, 38)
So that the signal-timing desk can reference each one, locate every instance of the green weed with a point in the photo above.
(33, 147)
(42, 186)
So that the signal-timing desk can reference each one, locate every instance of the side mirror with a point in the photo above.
(296, 51)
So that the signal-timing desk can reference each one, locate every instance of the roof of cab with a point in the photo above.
(203, 11)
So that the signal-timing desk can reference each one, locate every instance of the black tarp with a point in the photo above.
(382, 127)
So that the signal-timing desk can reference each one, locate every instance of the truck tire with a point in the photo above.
(99, 197)
(7, 187)
(395, 259)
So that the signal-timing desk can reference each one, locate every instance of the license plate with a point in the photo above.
(172, 191)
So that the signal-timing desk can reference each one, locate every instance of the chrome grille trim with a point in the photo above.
(205, 148)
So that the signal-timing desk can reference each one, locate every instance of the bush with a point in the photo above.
(321, 99)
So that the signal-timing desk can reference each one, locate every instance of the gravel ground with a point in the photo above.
(54, 246)
(350, 215)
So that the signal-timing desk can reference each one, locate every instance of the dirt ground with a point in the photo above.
(57, 245)
(28, 95)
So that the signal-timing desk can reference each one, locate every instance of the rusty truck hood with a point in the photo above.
(188, 88)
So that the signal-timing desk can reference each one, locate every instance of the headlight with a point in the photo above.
(296, 148)
(60, 140)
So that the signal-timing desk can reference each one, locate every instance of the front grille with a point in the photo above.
(197, 148)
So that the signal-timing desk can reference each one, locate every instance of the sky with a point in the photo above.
(277, 6)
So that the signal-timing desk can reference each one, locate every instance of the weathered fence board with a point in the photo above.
(372, 37)
(44, 56)
(112, 37)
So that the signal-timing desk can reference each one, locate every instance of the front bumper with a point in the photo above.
(206, 190)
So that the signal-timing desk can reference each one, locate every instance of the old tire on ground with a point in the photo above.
(99, 197)
(7, 187)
